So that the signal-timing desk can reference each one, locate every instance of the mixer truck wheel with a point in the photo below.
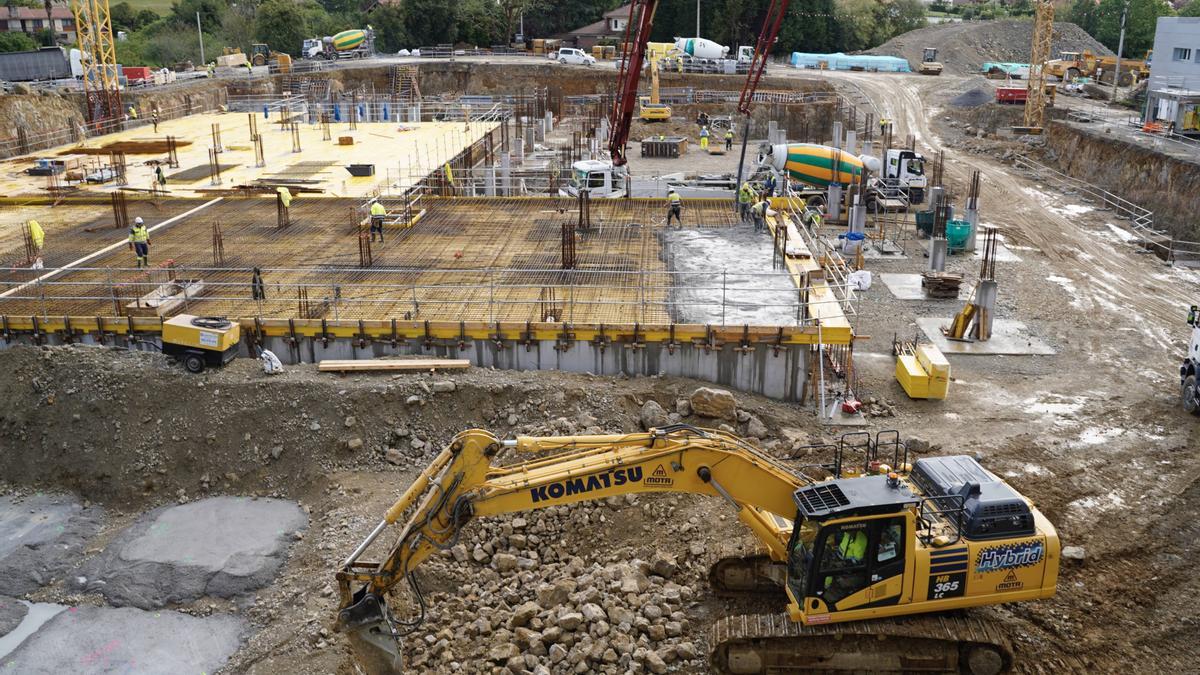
(816, 202)
(1072, 73)
(1191, 398)
(1126, 79)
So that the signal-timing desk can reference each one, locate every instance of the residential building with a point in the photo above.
(610, 29)
(32, 20)
(1173, 93)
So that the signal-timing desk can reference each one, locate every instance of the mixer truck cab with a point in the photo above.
(906, 169)
(598, 177)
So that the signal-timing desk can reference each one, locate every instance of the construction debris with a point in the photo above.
(941, 284)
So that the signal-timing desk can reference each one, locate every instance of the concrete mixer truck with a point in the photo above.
(817, 166)
(698, 55)
(348, 44)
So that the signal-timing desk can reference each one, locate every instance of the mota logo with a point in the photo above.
(659, 478)
(585, 484)
(1009, 557)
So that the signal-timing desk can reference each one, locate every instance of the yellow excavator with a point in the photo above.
(856, 550)
(651, 108)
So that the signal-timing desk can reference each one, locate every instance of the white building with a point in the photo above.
(1173, 94)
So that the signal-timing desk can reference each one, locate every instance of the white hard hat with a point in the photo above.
(138, 220)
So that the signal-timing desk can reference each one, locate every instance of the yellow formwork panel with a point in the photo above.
(924, 374)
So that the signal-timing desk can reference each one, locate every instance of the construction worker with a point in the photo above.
(139, 242)
(703, 138)
(728, 140)
(378, 213)
(675, 207)
(160, 176)
(37, 238)
(745, 197)
(154, 119)
(884, 123)
(759, 213)
(769, 185)
(702, 119)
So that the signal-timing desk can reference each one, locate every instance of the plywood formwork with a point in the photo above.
(467, 259)
(400, 152)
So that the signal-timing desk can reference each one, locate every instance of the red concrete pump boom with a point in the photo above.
(637, 34)
(762, 51)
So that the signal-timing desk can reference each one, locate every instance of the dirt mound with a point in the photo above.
(963, 47)
(972, 98)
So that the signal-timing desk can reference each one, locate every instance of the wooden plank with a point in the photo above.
(333, 365)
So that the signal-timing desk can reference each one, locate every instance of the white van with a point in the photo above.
(576, 57)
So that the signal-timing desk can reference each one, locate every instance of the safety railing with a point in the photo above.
(1140, 219)
(718, 297)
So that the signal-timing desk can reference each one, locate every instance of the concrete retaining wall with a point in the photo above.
(778, 373)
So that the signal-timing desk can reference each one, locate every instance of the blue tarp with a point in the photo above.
(839, 61)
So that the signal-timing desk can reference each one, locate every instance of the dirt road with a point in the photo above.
(1093, 434)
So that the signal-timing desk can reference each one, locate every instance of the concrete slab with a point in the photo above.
(222, 547)
(126, 640)
(906, 286)
(41, 538)
(35, 614)
(1003, 253)
(731, 265)
(400, 152)
(12, 612)
(1010, 338)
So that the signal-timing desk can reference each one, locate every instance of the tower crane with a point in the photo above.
(1043, 36)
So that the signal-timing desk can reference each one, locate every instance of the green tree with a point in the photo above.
(810, 26)
(281, 26)
(1190, 9)
(432, 22)
(481, 22)
(123, 17)
(146, 17)
(211, 13)
(391, 31)
(1139, 26)
(16, 42)
(1083, 13)
(511, 10)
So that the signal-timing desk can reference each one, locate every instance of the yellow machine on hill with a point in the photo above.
(929, 63)
(873, 544)
(1071, 65)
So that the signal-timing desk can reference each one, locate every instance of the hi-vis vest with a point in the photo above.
(853, 545)
(138, 234)
(378, 210)
(674, 199)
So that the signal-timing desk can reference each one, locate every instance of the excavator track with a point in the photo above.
(738, 571)
(773, 643)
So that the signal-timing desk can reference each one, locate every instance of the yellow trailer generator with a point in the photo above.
(200, 341)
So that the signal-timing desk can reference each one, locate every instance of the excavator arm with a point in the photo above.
(465, 482)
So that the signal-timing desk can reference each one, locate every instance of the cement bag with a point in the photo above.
(859, 280)
(271, 363)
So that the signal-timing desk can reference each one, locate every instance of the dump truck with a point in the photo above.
(348, 44)
(1070, 65)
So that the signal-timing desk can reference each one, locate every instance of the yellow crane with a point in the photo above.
(1036, 97)
(855, 552)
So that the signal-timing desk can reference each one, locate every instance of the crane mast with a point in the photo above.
(1043, 35)
(637, 34)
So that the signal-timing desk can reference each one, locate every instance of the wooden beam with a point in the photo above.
(333, 365)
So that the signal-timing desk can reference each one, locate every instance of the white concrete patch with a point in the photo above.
(1008, 338)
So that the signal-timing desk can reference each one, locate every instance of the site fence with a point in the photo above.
(1140, 219)
(716, 297)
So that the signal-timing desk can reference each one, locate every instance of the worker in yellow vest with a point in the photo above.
(745, 198)
(378, 213)
(675, 207)
(728, 140)
(759, 213)
(139, 242)
(703, 138)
